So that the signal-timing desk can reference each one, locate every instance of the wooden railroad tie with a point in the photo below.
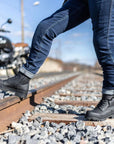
(79, 95)
(75, 103)
(68, 118)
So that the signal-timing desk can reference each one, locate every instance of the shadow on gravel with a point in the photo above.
(81, 117)
(51, 109)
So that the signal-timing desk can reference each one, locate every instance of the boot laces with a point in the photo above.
(102, 104)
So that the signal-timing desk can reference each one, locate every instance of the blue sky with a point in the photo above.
(74, 45)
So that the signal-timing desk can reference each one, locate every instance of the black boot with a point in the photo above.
(18, 84)
(104, 109)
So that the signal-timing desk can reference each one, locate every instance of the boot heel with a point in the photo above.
(21, 95)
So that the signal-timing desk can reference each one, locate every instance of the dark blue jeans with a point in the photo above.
(71, 14)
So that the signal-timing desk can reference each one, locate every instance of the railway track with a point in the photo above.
(55, 103)
(11, 108)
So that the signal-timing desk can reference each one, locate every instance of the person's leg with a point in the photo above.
(70, 15)
(102, 15)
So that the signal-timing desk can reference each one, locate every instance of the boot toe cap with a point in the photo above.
(95, 116)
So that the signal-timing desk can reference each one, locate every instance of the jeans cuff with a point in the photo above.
(26, 72)
(106, 91)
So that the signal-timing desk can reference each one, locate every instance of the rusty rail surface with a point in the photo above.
(11, 108)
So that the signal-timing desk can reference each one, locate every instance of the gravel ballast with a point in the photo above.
(38, 132)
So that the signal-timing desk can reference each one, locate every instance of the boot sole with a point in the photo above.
(99, 119)
(18, 93)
